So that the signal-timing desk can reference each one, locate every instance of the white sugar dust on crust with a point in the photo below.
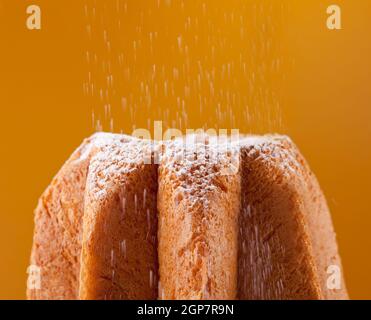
(195, 160)
(275, 150)
(117, 155)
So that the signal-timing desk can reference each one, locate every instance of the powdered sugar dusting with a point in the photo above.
(275, 150)
(197, 162)
(118, 155)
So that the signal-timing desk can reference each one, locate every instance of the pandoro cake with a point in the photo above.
(185, 219)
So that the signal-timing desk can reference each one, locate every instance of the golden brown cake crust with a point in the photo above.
(57, 236)
(198, 210)
(59, 222)
(263, 231)
(119, 255)
(286, 235)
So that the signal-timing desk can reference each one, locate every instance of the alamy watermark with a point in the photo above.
(208, 147)
(333, 281)
(33, 21)
(34, 277)
(334, 19)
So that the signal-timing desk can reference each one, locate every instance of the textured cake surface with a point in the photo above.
(205, 221)
(198, 214)
(119, 255)
(58, 227)
(287, 241)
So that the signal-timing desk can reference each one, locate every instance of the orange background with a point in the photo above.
(260, 66)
